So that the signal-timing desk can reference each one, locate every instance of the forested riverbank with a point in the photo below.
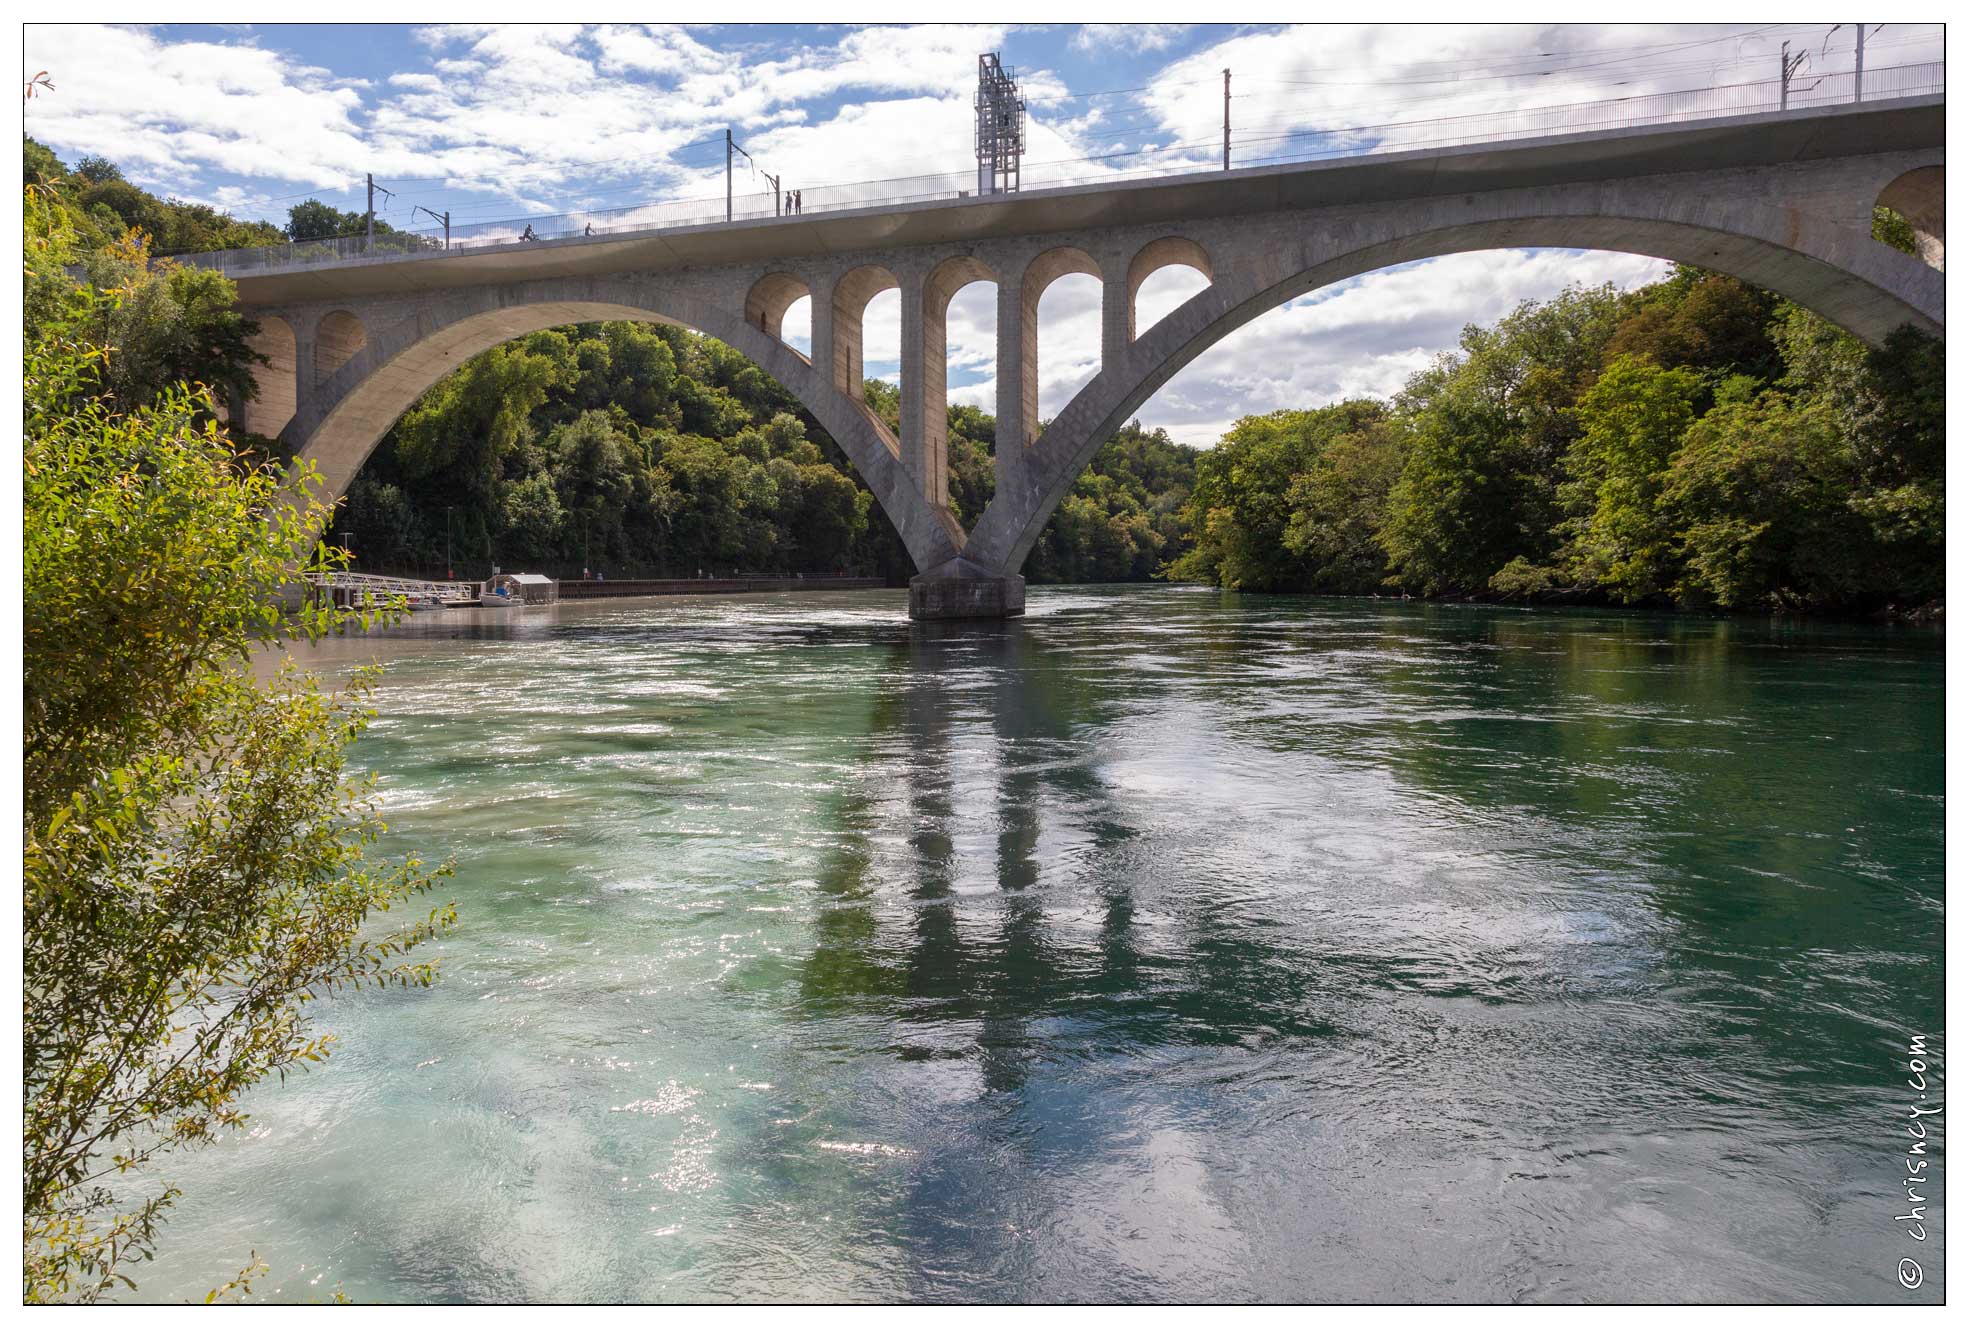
(1695, 443)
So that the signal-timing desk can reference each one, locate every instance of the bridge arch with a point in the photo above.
(337, 339)
(349, 414)
(1839, 273)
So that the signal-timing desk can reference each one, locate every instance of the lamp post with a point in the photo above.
(449, 574)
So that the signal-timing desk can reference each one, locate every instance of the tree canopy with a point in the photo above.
(1694, 442)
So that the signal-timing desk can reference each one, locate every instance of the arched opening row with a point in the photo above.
(338, 337)
(1063, 310)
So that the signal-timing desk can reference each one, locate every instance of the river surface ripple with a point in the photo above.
(1168, 944)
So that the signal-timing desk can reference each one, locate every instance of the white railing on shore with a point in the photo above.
(1892, 82)
(367, 589)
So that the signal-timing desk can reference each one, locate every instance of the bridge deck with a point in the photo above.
(1730, 142)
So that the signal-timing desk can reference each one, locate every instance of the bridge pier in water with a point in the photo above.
(961, 589)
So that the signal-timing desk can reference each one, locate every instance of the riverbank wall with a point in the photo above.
(594, 590)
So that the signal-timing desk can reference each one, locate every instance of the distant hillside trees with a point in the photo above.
(1695, 442)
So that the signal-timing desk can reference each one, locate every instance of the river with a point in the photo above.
(1168, 944)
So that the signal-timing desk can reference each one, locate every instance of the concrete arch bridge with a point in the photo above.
(1782, 200)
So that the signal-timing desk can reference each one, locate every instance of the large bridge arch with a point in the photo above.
(339, 428)
(1838, 272)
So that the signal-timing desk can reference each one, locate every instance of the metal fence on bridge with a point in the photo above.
(1529, 122)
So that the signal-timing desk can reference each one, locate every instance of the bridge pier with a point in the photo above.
(962, 589)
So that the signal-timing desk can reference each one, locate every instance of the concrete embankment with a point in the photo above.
(589, 590)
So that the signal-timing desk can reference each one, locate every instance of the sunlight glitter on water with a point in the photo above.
(1116, 954)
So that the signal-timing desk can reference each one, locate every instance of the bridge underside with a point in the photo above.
(345, 366)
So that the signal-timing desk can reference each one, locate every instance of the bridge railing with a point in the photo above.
(1509, 121)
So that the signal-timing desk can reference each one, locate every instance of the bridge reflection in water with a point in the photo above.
(1162, 945)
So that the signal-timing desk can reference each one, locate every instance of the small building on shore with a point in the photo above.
(526, 588)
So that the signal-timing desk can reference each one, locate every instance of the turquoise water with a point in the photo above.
(1168, 944)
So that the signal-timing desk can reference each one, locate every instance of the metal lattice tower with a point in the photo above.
(1001, 127)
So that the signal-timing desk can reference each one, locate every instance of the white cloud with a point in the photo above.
(166, 110)
(1298, 91)
(654, 51)
(1135, 37)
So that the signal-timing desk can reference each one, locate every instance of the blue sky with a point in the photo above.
(497, 124)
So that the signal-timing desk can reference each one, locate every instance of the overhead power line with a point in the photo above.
(1181, 147)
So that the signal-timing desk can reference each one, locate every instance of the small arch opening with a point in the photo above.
(1162, 275)
(276, 382)
(1062, 292)
(867, 328)
(1919, 197)
(960, 366)
(772, 297)
(336, 340)
(796, 329)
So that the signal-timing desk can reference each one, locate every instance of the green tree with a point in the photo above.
(314, 220)
(1891, 406)
(532, 519)
(1760, 493)
(1633, 421)
(195, 872)
(130, 205)
(594, 478)
(1702, 321)
(40, 164)
(830, 515)
(384, 522)
(1891, 228)
(971, 451)
(1450, 517)
(1485, 434)
(98, 170)
(1241, 505)
(172, 325)
(708, 481)
(1338, 505)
